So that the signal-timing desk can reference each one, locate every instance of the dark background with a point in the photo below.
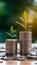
(11, 10)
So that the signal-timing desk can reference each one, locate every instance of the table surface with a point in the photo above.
(17, 62)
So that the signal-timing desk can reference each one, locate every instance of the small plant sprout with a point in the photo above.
(12, 31)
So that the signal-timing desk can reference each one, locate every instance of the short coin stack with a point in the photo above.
(11, 47)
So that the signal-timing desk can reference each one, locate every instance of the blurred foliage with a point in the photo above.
(35, 41)
(11, 10)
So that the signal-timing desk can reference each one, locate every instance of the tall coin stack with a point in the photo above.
(25, 42)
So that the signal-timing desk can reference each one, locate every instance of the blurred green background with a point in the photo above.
(10, 11)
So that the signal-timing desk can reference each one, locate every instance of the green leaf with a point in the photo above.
(14, 36)
(20, 24)
(8, 34)
(22, 19)
(11, 29)
(14, 31)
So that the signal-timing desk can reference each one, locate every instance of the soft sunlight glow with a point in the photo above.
(30, 16)
(35, 2)
(35, 15)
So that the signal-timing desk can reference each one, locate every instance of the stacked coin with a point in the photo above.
(25, 42)
(11, 47)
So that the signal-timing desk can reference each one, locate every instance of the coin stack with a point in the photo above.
(25, 42)
(11, 47)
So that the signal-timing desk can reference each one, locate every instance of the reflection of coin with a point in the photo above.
(21, 58)
(1, 61)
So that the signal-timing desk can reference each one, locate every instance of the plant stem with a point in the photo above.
(25, 25)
